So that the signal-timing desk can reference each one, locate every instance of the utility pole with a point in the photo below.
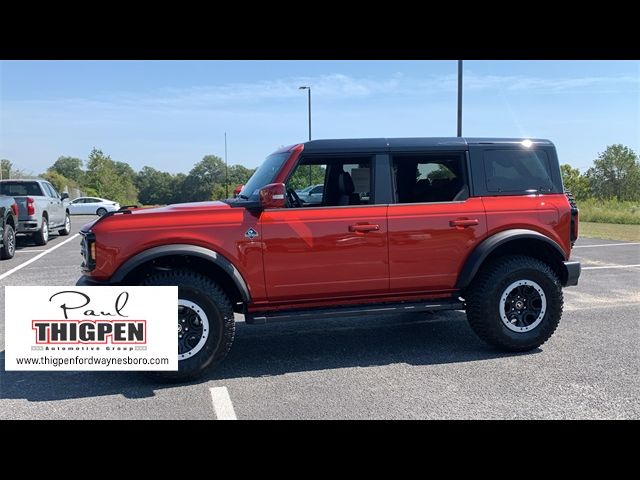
(308, 89)
(459, 98)
(226, 168)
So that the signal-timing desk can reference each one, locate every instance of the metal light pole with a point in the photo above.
(308, 89)
(226, 168)
(459, 98)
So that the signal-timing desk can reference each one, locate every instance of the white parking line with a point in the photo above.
(222, 405)
(31, 260)
(610, 266)
(607, 245)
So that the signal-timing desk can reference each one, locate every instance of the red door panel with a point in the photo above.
(429, 242)
(312, 253)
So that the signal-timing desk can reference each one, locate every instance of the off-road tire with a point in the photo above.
(206, 293)
(485, 294)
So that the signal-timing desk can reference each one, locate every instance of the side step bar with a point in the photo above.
(258, 318)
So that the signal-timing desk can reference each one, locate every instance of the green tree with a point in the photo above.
(575, 182)
(5, 168)
(198, 185)
(615, 174)
(60, 182)
(178, 194)
(69, 167)
(154, 187)
(109, 179)
(238, 175)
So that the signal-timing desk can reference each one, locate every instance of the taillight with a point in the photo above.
(31, 208)
(574, 217)
(14, 208)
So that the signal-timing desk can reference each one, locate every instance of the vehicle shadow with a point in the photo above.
(277, 349)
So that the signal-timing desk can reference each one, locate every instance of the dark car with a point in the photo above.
(9, 214)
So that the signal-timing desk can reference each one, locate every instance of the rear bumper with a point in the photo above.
(573, 273)
(28, 226)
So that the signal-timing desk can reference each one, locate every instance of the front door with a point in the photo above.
(434, 225)
(335, 248)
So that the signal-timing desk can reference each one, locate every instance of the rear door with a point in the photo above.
(434, 224)
(334, 249)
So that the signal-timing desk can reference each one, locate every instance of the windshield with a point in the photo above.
(264, 175)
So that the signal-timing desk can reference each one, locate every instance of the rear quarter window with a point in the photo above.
(517, 170)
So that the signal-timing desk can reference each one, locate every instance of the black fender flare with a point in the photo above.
(184, 249)
(484, 249)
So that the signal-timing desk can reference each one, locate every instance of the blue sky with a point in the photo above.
(169, 114)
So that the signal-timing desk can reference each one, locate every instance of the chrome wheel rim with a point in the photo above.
(522, 306)
(45, 229)
(11, 243)
(67, 223)
(193, 328)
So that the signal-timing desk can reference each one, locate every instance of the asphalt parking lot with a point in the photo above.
(409, 366)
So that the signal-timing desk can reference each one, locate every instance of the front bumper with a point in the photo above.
(573, 273)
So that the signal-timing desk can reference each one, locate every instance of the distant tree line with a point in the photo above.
(615, 174)
(101, 176)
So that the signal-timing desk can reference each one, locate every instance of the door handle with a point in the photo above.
(463, 222)
(364, 228)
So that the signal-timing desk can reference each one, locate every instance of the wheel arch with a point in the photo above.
(515, 241)
(203, 260)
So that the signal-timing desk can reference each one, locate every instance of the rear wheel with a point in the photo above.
(8, 249)
(41, 237)
(206, 325)
(67, 225)
(101, 211)
(515, 303)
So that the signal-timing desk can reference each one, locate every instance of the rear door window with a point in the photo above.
(517, 170)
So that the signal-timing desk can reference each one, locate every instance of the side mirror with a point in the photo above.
(64, 196)
(273, 196)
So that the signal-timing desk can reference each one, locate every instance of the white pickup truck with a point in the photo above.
(41, 209)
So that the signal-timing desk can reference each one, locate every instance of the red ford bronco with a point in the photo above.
(407, 224)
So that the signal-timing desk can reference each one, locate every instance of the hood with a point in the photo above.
(179, 207)
(176, 208)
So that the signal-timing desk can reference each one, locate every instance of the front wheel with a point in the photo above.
(206, 325)
(515, 303)
(8, 249)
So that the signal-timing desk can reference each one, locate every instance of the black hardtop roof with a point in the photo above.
(445, 143)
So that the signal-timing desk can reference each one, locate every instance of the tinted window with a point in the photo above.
(52, 191)
(429, 178)
(345, 181)
(20, 189)
(517, 170)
